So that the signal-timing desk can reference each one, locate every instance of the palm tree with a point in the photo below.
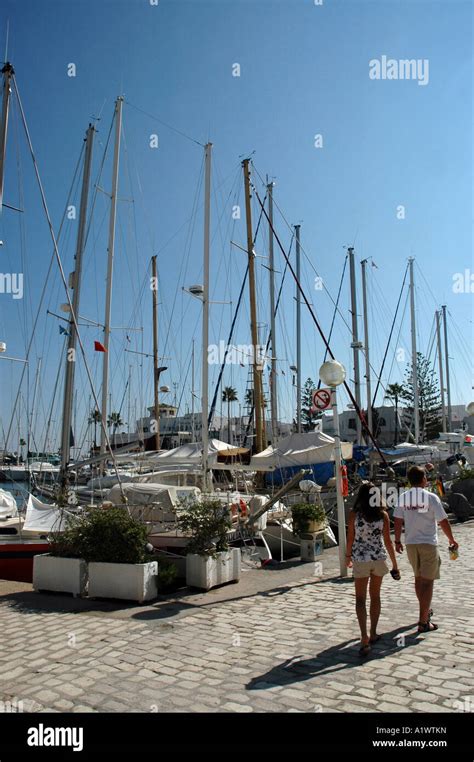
(95, 418)
(115, 421)
(249, 399)
(229, 395)
(394, 392)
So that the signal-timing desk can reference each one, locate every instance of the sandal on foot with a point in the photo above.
(428, 626)
(375, 639)
(364, 650)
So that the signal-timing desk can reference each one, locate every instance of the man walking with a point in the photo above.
(421, 511)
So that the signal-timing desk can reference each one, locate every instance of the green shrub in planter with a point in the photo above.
(167, 573)
(304, 513)
(67, 544)
(108, 535)
(208, 522)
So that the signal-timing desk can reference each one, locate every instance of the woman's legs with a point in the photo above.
(361, 610)
(375, 606)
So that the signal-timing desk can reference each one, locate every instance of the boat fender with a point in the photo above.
(239, 509)
(345, 481)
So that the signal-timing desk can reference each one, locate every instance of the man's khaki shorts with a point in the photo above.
(425, 560)
(361, 569)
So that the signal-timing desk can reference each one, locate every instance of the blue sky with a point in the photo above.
(304, 70)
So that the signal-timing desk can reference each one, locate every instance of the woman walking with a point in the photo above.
(368, 533)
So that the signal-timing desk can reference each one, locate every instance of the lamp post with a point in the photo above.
(201, 292)
(332, 373)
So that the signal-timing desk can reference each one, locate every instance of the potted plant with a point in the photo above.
(114, 545)
(308, 518)
(62, 570)
(107, 548)
(209, 560)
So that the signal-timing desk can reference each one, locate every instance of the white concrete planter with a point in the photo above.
(60, 575)
(130, 582)
(205, 572)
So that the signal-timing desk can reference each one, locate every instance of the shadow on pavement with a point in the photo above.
(166, 606)
(345, 655)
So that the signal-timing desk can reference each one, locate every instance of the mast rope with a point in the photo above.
(334, 313)
(40, 305)
(64, 280)
(169, 126)
(229, 339)
(321, 333)
(389, 338)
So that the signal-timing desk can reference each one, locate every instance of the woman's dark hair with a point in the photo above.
(369, 502)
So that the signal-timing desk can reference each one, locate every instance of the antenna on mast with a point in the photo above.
(6, 41)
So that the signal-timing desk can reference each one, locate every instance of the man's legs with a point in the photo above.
(425, 561)
(424, 593)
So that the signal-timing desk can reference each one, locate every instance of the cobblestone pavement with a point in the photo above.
(291, 648)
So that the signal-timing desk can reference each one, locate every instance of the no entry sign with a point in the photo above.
(321, 399)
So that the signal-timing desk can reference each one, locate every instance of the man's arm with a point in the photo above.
(388, 540)
(398, 534)
(446, 527)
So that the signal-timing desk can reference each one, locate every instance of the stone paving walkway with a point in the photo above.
(291, 647)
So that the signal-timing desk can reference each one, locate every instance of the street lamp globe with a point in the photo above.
(3, 346)
(470, 408)
(332, 373)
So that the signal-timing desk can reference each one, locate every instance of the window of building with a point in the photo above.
(352, 423)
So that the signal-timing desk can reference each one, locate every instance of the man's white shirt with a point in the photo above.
(421, 510)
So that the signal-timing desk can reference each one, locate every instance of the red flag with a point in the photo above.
(98, 347)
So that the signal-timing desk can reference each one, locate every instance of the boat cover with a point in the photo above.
(8, 506)
(42, 517)
(164, 495)
(189, 454)
(303, 449)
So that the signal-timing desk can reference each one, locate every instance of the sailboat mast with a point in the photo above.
(356, 345)
(193, 426)
(298, 330)
(257, 378)
(205, 319)
(155, 353)
(8, 73)
(273, 374)
(446, 359)
(35, 391)
(76, 286)
(414, 358)
(440, 366)
(366, 344)
(110, 265)
(128, 399)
